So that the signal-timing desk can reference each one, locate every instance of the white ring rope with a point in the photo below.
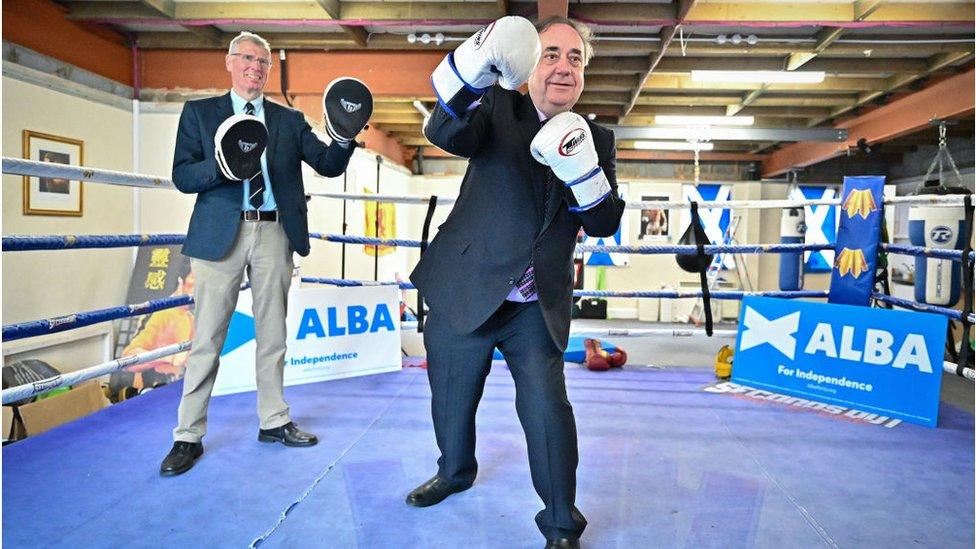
(33, 168)
(27, 390)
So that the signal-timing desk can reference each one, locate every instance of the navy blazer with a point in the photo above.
(496, 225)
(217, 212)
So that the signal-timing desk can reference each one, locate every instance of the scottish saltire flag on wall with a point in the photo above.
(821, 225)
(714, 220)
(620, 238)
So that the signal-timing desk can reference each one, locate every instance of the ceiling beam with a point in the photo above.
(921, 11)
(333, 11)
(935, 63)
(949, 98)
(832, 66)
(667, 33)
(825, 38)
(280, 40)
(209, 34)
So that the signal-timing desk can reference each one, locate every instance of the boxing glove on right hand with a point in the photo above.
(505, 51)
(565, 144)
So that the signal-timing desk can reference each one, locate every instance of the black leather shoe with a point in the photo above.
(433, 492)
(289, 435)
(563, 543)
(181, 458)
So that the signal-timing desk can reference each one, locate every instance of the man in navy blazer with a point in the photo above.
(253, 225)
(499, 272)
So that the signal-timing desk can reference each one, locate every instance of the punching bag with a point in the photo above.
(792, 228)
(937, 281)
(694, 263)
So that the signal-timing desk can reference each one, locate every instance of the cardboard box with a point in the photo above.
(8, 423)
(47, 414)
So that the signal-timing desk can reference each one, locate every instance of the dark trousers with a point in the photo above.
(457, 366)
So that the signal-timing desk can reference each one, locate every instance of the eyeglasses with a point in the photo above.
(248, 58)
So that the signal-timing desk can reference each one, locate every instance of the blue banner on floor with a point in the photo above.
(877, 360)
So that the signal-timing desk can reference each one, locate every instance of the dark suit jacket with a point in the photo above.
(496, 225)
(217, 212)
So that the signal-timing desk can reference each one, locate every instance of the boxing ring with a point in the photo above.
(663, 463)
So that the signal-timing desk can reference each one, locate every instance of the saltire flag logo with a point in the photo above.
(821, 226)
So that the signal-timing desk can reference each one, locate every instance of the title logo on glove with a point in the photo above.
(245, 146)
(482, 35)
(571, 142)
(349, 105)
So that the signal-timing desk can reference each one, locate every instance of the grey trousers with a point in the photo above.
(263, 251)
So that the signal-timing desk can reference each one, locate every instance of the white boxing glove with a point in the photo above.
(565, 144)
(505, 51)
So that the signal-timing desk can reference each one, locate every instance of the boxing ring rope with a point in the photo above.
(33, 168)
(924, 307)
(28, 390)
(77, 242)
(69, 242)
(32, 328)
(673, 294)
(17, 166)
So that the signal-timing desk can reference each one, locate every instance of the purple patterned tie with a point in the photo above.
(526, 284)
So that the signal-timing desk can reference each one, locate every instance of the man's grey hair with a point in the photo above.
(249, 37)
(581, 29)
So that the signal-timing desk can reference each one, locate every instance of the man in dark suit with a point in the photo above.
(500, 270)
(254, 225)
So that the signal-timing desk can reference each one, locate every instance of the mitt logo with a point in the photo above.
(245, 146)
(482, 35)
(349, 106)
(941, 234)
(571, 142)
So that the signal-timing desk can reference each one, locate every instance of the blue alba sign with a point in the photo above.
(877, 360)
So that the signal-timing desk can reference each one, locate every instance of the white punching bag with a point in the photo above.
(937, 281)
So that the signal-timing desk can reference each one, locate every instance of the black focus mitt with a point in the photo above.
(238, 144)
(347, 105)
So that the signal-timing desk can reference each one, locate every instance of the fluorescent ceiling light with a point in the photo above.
(672, 146)
(764, 77)
(675, 120)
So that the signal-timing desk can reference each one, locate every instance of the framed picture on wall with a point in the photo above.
(654, 222)
(52, 195)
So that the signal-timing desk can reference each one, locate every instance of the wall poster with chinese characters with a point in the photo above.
(160, 272)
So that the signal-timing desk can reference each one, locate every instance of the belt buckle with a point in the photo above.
(251, 215)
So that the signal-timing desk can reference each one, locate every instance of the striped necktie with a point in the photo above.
(257, 182)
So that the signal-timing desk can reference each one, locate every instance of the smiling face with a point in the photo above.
(248, 66)
(557, 82)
